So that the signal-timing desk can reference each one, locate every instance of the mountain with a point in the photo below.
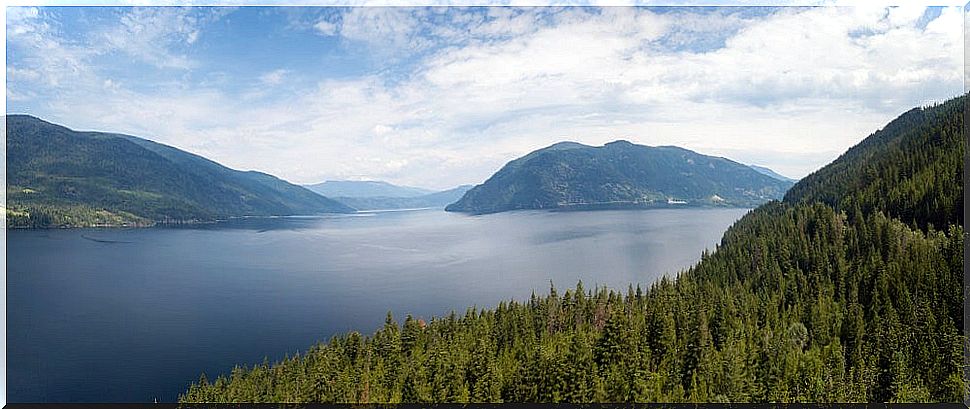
(570, 175)
(60, 177)
(912, 169)
(839, 293)
(366, 188)
(768, 172)
(431, 200)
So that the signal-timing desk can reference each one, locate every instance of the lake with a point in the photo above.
(133, 315)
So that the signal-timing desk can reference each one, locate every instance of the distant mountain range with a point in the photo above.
(365, 188)
(768, 172)
(430, 200)
(60, 177)
(620, 174)
(380, 195)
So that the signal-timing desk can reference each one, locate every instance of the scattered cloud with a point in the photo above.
(146, 33)
(274, 77)
(326, 28)
(789, 88)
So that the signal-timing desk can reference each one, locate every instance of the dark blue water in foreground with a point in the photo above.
(137, 314)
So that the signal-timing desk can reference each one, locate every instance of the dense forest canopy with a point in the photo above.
(848, 290)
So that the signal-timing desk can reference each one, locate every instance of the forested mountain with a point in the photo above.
(814, 298)
(912, 170)
(430, 200)
(570, 175)
(365, 188)
(60, 177)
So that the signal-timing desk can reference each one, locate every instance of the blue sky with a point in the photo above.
(441, 96)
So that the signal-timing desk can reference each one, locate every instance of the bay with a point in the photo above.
(134, 315)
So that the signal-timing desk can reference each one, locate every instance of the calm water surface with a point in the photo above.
(137, 314)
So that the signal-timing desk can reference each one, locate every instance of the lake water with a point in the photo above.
(137, 314)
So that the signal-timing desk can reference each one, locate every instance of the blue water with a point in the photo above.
(133, 315)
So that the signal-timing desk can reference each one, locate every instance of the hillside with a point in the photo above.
(431, 200)
(365, 188)
(619, 174)
(912, 170)
(800, 302)
(60, 177)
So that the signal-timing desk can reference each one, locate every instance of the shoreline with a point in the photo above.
(156, 223)
(564, 209)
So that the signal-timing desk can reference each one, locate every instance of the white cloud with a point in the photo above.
(56, 58)
(382, 130)
(791, 90)
(274, 77)
(50, 60)
(149, 33)
(386, 29)
(326, 28)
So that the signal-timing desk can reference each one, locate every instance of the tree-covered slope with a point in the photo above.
(619, 174)
(912, 169)
(801, 301)
(60, 177)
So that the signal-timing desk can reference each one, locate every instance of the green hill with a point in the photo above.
(617, 175)
(825, 297)
(60, 177)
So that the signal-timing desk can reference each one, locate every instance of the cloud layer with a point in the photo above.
(438, 97)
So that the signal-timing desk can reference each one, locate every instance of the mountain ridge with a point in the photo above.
(430, 200)
(59, 177)
(569, 175)
(897, 170)
(768, 172)
(365, 188)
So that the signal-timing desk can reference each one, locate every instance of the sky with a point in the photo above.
(441, 96)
